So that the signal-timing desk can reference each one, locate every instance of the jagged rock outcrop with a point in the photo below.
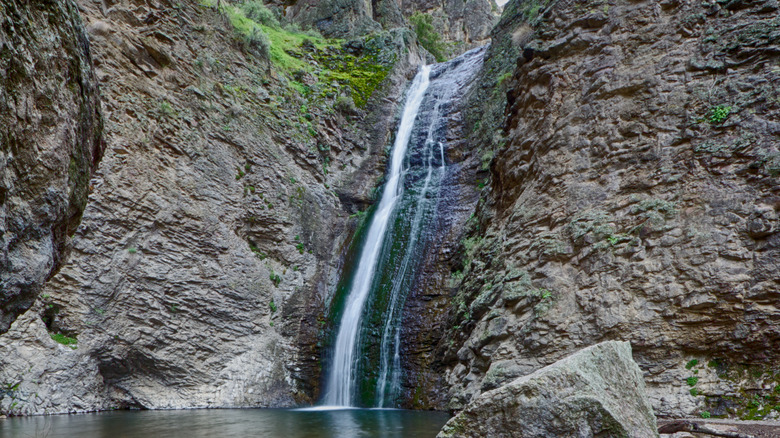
(597, 391)
(462, 24)
(50, 142)
(204, 264)
(633, 195)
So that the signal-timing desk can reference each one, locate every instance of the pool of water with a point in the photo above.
(210, 423)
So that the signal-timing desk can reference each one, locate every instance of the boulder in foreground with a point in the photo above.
(598, 391)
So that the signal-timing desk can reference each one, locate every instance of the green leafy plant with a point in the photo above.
(64, 340)
(691, 363)
(692, 381)
(166, 109)
(275, 278)
(258, 12)
(345, 105)
(718, 114)
(259, 254)
(272, 305)
(705, 414)
(427, 35)
(694, 392)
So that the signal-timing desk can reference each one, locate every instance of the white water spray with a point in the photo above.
(342, 376)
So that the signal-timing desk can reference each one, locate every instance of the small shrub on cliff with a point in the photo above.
(345, 105)
(427, 35)
(257, 41)
(64, 340)
(705, 414)
(718, 114)
(275, 278)
(258, 12)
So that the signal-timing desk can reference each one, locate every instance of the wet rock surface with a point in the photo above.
(597, 391)
(633, 196)
(50, 142)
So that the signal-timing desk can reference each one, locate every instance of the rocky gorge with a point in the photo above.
(614, 176)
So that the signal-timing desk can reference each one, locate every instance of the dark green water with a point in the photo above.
(230, 423)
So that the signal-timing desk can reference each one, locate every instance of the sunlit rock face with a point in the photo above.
(50, 142)
(633, 195)
(216, 225)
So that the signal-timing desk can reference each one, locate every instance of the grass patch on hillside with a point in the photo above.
(290, 51)
(64, 340)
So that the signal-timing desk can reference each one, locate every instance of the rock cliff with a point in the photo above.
(633, 195)
(203, 267)
(50, 142)
(462, 24)
(620, 158)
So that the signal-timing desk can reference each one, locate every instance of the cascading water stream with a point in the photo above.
(395, 239)
(342, 375)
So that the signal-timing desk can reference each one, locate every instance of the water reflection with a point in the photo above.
(313, 423)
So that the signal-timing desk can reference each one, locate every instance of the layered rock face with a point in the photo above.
(464, 24)
(206, 257)
(633, 195)
(597, 391)
(50, 141)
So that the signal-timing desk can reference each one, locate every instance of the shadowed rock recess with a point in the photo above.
(50, 141)
(597, 391)
(633, 195)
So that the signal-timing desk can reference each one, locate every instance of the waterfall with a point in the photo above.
(394, 238)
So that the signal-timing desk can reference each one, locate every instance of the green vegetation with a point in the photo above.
(487, 158)
(345, 105)
(132, 250)
(64, 340)
(259, 254)
(275, 278)
(694, 392)
(692, 381)
(427, 35)
(530, 9)
(705, 414)
(256, 11)
(691, 363)
(718, 114)
(290, 49)
(272, 305)
(166, 109)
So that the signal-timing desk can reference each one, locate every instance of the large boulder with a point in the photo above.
(597, 391)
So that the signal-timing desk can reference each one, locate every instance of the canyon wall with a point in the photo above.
(614, 176)
(633, 195)
(50, 142)
(462, 24)
(208, 252)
